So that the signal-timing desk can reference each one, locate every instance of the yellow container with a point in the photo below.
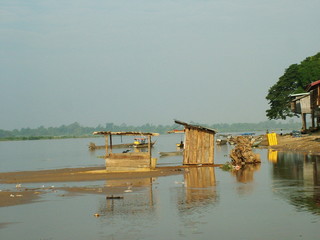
(272, 139)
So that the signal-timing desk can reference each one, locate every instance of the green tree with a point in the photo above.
(294, 80)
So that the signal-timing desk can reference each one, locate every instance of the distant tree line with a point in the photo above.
(76, 130)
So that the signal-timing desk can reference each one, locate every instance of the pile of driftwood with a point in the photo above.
(242, 152)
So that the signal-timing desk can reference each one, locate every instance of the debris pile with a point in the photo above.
(242, 152)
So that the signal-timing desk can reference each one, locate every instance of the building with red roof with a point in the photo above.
(308, 103)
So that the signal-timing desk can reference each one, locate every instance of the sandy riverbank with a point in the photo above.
(23, 195)
(307, 143)
(84, 174)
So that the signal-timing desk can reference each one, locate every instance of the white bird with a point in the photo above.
(128, 190)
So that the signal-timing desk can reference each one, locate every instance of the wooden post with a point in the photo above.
(107, 145)
(110, 143)
(149, 148)
(151, 193)
(312, 119)
(304, 122)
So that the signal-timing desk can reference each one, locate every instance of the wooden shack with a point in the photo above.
(128, 161)
(300, 104)
(199, 144)
(308, 103)
(314, 90)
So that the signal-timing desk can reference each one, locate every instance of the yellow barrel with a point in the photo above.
(272, 139)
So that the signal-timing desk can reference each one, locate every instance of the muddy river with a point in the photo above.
(278, 199)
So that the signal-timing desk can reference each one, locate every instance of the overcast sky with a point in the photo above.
(147, 61)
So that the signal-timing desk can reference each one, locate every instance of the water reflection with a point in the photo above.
(296, 178)
(272, 155)
(138, 150)
(195, 198)
(199, 188)
(135, 196)
(246, 172)
(245, 175)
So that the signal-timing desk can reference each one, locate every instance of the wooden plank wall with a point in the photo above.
(305, 104)
(199, 147)
(128, 162)
(318, 96)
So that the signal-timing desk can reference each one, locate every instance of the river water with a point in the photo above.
(279, 199)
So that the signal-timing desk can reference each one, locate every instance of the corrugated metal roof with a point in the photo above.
(200, 128)
(126, 133)
(312, 85)
(298, 94)
(301, 97)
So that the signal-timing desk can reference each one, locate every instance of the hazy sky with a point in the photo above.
(147, 61)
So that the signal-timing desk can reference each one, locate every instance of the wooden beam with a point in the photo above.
(107, 145)
(312, 119)
(126, 133)
(149, 148)
(197, 127)
(304, 122)
(110, 143)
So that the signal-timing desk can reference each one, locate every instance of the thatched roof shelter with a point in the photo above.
(128, 161)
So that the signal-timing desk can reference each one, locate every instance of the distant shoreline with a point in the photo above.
(32, 138)
(75, 130)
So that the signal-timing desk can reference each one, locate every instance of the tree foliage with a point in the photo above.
(294, 80)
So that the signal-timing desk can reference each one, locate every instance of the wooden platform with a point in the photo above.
(129, 162)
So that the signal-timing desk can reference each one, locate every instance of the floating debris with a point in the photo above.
(237, 167)
(230, 167)
(227, 166)
(114, 197)
(177, 182)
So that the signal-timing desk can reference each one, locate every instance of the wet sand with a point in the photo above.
(82, 174)
(9, 198)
